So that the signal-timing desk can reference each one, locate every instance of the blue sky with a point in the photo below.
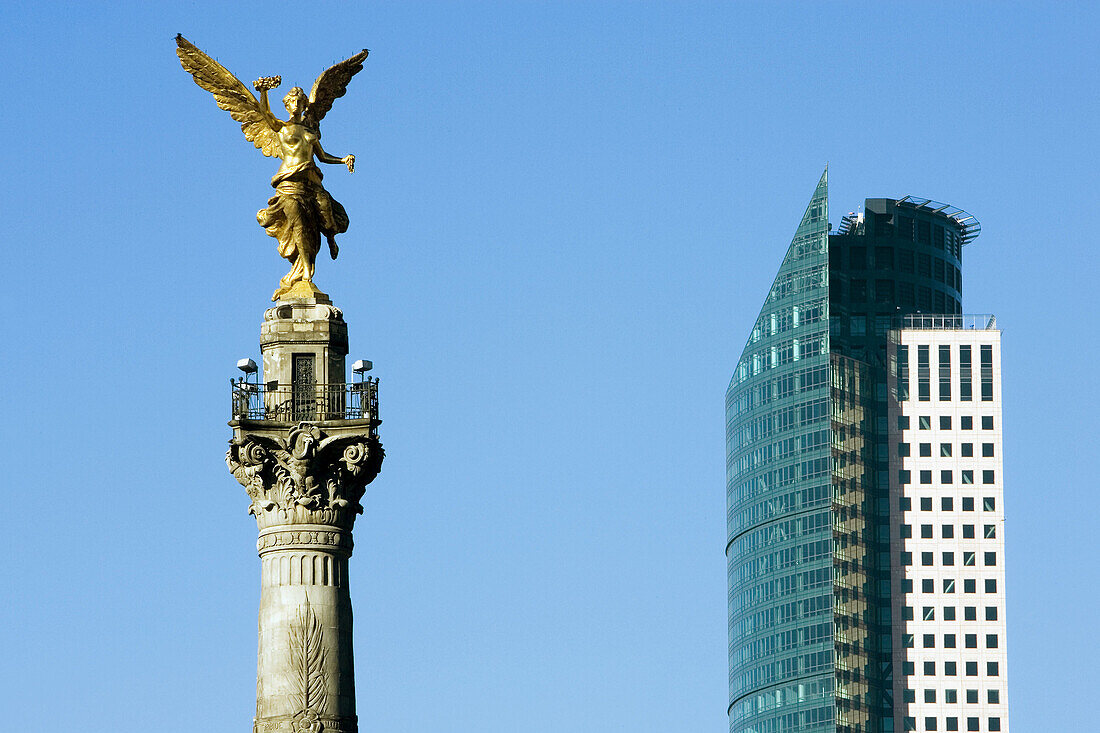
(564, 218)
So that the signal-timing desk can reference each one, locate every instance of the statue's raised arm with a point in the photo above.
(301, 209)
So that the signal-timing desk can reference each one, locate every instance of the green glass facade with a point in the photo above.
(808, 548)
(778, 498)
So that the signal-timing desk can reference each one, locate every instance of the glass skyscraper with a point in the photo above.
(815, 544)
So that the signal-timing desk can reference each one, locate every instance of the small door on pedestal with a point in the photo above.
(304, 385)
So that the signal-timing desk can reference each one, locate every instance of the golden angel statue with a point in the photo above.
(301, 209)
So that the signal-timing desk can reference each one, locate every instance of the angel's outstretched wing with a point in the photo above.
(331, 85)
(258, 124)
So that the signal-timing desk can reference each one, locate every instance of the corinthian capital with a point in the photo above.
(305, 476)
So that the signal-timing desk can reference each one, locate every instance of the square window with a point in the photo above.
(945, 422)
(951, 696)
(987, 422)
(967, 477)
(930, 724)
(905, 477)
(909, 668)
(926, 531)
(947, 531)
(947, 504)
(971, 669)
(987, 477)
(906, 558)
(926, 559)
(992, 669)
(994, 697)
(925, 450)
(949, 669)
(929, 669)
(970, 613)
(972, 696)
(948, 585)
(905, 503)
(990, 641)
(970, 585)
(945, 450)
(903, 450)
(907, 613)
(971, 641)
(905, 531)
(990, 585)
(926, 503)
(948, 613)
(946, 477)
(948, 641)
(989, 504)
(990, 531)
(990, 613)
(968, 503)
(907, 585)
(929, 695)
(994, 724)
(928, 613)
(903, 422)
(951, 723)
(911, 723)
(927, 586)
(966, 450)
(924, 422)
(968, 558)
(907, 641)
(990, 559)
(929, 641)
(966, 422)
(948, 559)
(968, 531)
(972, 724)
(987, 450)
(909, 696)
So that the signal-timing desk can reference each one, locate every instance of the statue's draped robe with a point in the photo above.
(297, 215)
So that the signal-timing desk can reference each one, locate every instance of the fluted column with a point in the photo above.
(304, 670)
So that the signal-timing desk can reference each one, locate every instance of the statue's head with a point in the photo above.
(296, 101)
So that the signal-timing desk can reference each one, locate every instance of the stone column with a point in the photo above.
(305, 479)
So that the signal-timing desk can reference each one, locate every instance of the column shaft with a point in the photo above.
(305, 676)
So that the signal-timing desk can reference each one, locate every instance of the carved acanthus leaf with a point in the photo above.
(307, 469)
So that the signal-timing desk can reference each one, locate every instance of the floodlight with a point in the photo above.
(362, 366)
(247, 366)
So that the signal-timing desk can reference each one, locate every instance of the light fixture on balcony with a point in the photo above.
(361, 368)
(248, 367)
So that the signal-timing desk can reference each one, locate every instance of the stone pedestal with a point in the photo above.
(305, 446)
(306, 329)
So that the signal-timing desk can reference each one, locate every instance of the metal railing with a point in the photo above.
(309, 403)
(969, 227)
(950, 322)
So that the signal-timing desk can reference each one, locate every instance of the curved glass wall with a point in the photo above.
(779, 500)
(899, 259)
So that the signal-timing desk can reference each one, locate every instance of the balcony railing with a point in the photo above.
(950, 322)
(309, 402)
